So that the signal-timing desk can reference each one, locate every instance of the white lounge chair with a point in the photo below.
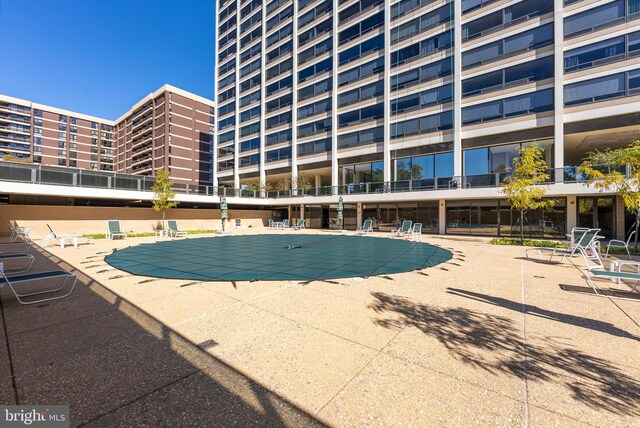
(13, 280)
(173, 230)
(114, 229)
(591, 274)
(70, 238)
(621, 244)
(12, 257)
(416, 230)
(19, 232)
(367, 227)
(584, 245)
(299, 225)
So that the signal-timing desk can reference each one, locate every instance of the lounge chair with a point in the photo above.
(621, 244)
(19, 269)
(11, 281)
(172, 229)
(416, 230)
(19, 232)
(71, 238)
(299, 225)
(17, 247)
(582, 246)
(113, 229)
(367, 226)
(404, 229)
(591, 274)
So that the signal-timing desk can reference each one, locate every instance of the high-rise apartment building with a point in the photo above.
(170, 128)
(352, 92)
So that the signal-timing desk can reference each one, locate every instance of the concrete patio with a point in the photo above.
(487, 338)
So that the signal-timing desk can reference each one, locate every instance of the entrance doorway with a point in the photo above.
(598, 213)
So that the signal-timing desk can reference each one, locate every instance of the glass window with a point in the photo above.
(594, 90)
(476, 161)
(587, 20)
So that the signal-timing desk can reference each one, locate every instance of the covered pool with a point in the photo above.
(276, 257)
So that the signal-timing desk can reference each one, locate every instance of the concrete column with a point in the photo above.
(289, 214)
(236, 129)
(294, 103)
(263, 94)
(457, 89)
(318, 181)
(387, 92)
(334, 101)
(558, 90)
(359, 214)
(572, 213)
(619, 213)
(302, 211)
(442, 217)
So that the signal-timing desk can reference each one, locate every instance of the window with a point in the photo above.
(278, 120)
(278, 154)
(365, 26)
(422, 125)
(226, 151)
(312, 128)
(279, 35)
(532, 71)
(278, 103)
(315, 51)
(250, 68)
(315, 13)
(427, 98)
(281, 16)
(366, 92)
(534, 102)
(433, 70)
(225, 95)
(225, 123)
(373, 112)
(404, 6)
(250, 7)
(280, 85)
(361, 138)
(255, 18)
(251, 52)
(525, 41)
(225, 137)
(320, 146)
(280, 68)
(361, 71)
(247, 99)
(594, 90)
(516, 13)
(249, 114)
(312, 71)
(252, 144)
(593, 19)
(597, 54)
(315, 32)
(356, 9)
(424, 167)
(318, 107)
(250, 129)
(230, 79)
(315, 89)
(279, 51)
(278, 137)
(246, 85)
(422, 23)
(423, 48)
(374, 44)
(249, 160)
(250, 37)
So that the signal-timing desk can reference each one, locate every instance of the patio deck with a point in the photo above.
(485, 339)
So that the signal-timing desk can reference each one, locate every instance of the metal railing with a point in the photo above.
(74, 177)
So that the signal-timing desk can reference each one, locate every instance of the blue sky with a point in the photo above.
(99, 57)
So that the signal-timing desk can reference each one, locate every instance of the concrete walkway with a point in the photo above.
(485, 339)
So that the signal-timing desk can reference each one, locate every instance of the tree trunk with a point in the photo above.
(521, 227)
(164, 231)
(635, 237)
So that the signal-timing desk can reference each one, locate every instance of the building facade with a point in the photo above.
(170, 128)
(421, 92)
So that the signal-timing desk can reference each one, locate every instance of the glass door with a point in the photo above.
(597, 213)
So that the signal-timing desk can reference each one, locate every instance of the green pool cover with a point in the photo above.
(276, 257)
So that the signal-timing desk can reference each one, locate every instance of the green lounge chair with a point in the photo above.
(591, 274)
(406, 228)
(585, 244)
(172, 229)
(113, 229)
(367, 226)
(11, 281)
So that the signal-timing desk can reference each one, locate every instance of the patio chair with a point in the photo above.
(238, 223)
(13, 280)
(591, 274)
(113, 229)
(284, 224)
(404, 229)
(581, 247)
(16, 247)
(52, 236)
(271, 224)
(621, 244)
(416, 230)
(172, 229)
(367, 227)
(299, 225)
(19, 232)
(18, 256)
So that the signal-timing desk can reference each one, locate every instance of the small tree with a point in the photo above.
(8, 157)
(604, 166)
(523, 187)
(163, 193)
(303, 182)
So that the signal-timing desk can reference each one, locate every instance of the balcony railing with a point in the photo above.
(63, 176)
